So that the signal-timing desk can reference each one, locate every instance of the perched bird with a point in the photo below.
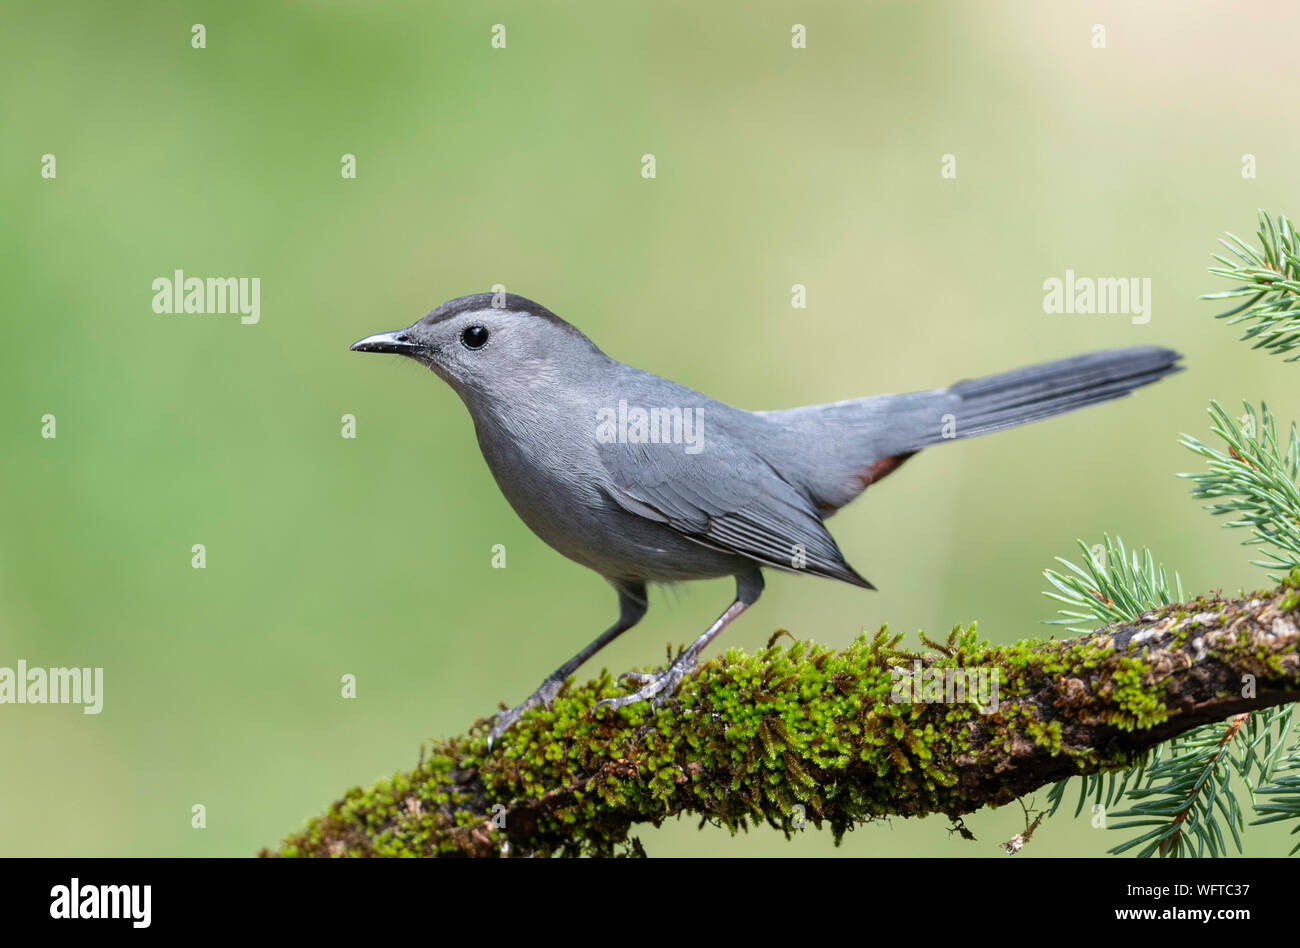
(647, 481)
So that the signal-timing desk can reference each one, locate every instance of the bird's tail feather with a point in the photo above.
(1040, 391)
(837, 449)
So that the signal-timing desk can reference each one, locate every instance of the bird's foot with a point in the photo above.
(541, 698)
(653, 688)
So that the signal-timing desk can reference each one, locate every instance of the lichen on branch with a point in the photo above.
(801, 735)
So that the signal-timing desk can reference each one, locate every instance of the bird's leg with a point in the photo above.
(631, 607)
(658, 688)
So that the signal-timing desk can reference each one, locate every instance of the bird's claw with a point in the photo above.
(541, 698)
(653, 688)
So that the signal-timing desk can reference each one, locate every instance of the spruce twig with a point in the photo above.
(1255, 481)
(1269, 279)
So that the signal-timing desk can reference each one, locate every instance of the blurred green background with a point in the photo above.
(521, 166)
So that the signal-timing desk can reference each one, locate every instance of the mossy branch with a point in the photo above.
(804, 735)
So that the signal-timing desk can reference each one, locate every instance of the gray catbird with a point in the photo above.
(647, 481)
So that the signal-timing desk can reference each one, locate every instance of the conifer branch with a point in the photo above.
(1259, 480)
(1269, 278)
(1279, 799)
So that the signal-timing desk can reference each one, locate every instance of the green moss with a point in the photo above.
(1136, 705)
(790, 733)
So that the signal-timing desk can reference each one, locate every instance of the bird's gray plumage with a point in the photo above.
(760, 485)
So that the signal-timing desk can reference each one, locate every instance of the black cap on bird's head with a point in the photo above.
(474, 342)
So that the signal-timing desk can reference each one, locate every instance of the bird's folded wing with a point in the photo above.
(730, 501)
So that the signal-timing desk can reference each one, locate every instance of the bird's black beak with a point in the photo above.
(397, 341)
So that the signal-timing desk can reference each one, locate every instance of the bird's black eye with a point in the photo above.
(475, 337)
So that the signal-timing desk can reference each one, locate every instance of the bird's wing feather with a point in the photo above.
(729, 500)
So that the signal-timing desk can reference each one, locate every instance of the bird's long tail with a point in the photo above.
(838, 449)
(1049, 388)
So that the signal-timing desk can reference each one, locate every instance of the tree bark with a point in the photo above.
(802, 734)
